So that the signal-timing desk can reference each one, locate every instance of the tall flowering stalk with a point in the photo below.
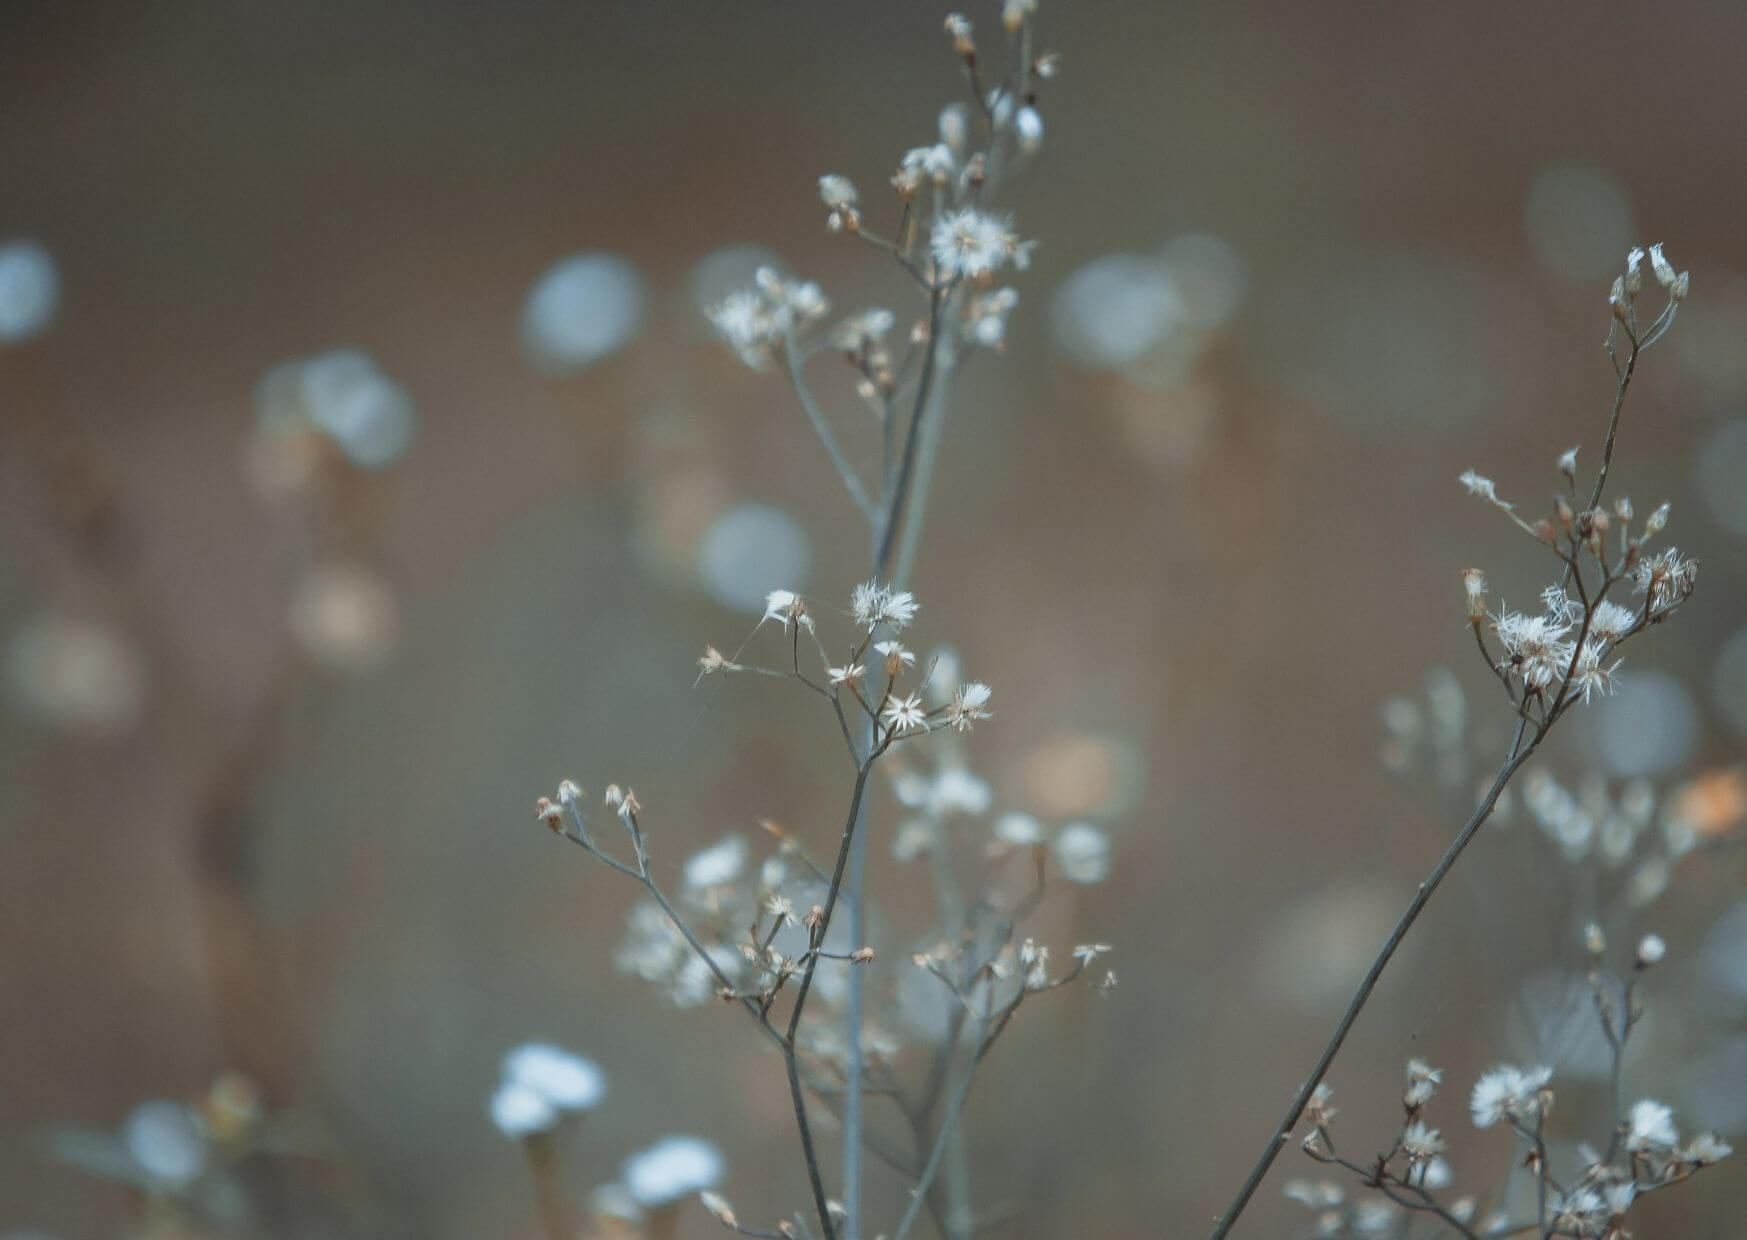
(953, 243)
(1550, 661)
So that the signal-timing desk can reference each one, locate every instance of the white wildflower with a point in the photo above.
(1507, 1092)
(973, 243)
(848, 674)
(1651, 949)
(672, 1168)
(786, 606)
(1650, 1127)
(895, 650)
(1589, 677)
(1421, 1143)
(1608, 621)
(1535, 646)
(968, 705)
(872, 605)
(1706, 1148)
(933, 165)
(1422, 1083)
(1028, 126)
(905, 714)
(837, 192)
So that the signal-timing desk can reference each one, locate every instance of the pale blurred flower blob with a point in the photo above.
(1115, 309)
(1729, 682)
(582, 310)
(519, 1111)
(345, 616)
(1578, 219)
(76, 675)
(1082, 852)
(1722, 475)
(166, 1140)
(750, 550)
(718, 865)
(1649, 727)
(344, 396)
(567, 1082)
(671, 1169)
(30, 289)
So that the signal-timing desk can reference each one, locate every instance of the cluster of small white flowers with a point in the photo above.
(757, 321)
(541, 1083)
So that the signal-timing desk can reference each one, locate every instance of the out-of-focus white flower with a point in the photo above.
(1706, 1148)
(76, 674)
(837, 191)
(717, 865)
(1019, 830)
(344, 616)
(671, 1169)
(1083, 853)
(582, 310)
(567, 1082)
(957, 791)
(1650, 1127)
(30, 289)
(1651, 949)
(365, 413)
(1028, 127)
(167, 1141)
(521, 1112)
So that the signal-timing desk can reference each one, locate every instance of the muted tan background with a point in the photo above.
(225, 186)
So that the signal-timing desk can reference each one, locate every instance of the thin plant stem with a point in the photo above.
(948, 1122)
(1519, 753)
(822, 428)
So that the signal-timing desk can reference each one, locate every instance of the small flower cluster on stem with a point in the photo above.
(1643, 1153)
(1550, 661)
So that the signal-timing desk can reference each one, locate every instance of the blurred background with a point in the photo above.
(367, 466)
